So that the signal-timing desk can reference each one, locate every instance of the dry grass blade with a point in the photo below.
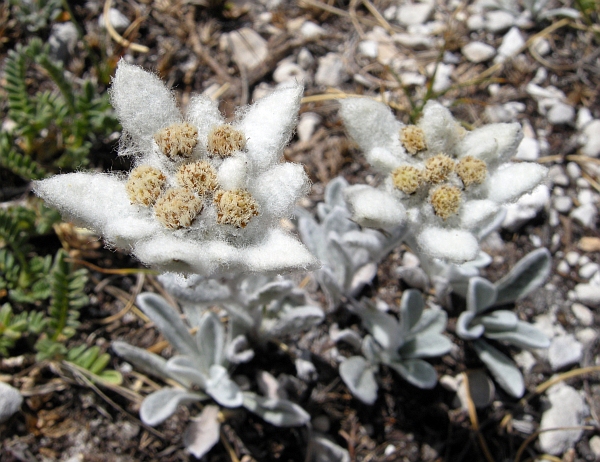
(121, 271)
(116, 36)
(475, 421)
(533, 436)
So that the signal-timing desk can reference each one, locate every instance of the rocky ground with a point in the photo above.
(537, 63)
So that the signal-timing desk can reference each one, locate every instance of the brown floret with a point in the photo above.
(177, 140)
(413, 139)
(438, 168)
(235, 207)
(177, 208)
(224, 140)
(407, 178)
(445, 201)
(198, 176)
(144, 185)
(471, 170)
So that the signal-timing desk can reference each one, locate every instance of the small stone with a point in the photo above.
(307, 124)
(311, 31)
(331, 70)
(588, 294)
(563, 268)
(118, 20)
(567, 409)
(583, 260)
(588, 270)
(591, 135)
(586, 196)
(305, 58)
(389, 450)
(582, 183)
(572, 257)
(564, 351)
(541, 46)
(587, 336)
(584, 315)
(498, 21)
(561, 113)
(414, 41)
(476, 22)
(10, 401)
(415, 13)
(557, 175)
(289, 72)
(573, 170)
(443, 72)
(507, 112)
(584, 117)
(368, 48)
(585, 215)
(478, 52)
(63, 40)
(595, 445)
(563, 204)
(525, 360)
(512, 43)
(247, 47)
(410, 260)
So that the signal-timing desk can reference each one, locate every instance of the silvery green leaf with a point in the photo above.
(239, 351)
(413, 276)
(358, 376)
(340, 262)
(325, 450)
(168, 322)
(566, 12)
(222, 389)
(433, 321)
(297, 320)
(210, 340)
(278, 412)
(505, 372)
(338, 222)
(162, 404)
(411, 309)
(481, 295)
(426, 346)
(323, 210)
(499, 320)
(362, 277)
(382, 326)
(528, 274)
(373, 351)
(203, 432)
(493, 224)
(329, 284)
(416, 371)
(371, 241)
(143, 360)
(240, 315)
(349, 336)
(272, 291)
(194, 288)
(310, 232)
(524, 335)
(465, 330)
(334, 192)
(187, 368)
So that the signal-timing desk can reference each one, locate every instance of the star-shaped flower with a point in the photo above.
(205, 196)
(447, 182)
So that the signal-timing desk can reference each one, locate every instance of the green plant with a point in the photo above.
(35, 15)
(12, 326)
(52, 129)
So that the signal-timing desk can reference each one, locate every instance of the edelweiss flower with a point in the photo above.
(205, 196)
(448, 183)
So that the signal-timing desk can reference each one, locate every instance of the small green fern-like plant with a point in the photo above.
(14, 326)
(52, 129)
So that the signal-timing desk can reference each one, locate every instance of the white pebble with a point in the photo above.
(563, 204)
(584, 315)
(572, 257)
(586, 196)
(557, 175)
(498, 21)
(563, 268)
(591, 135)
(584, 117)
(561, 113)
(307, 124)
(583, 260)
(573, 170)
(585, 215)
(478, 52)
(588, 294)
(512, 43)
(564, 351)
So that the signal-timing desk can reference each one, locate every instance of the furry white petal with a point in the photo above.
(453, 245)
(374, 208)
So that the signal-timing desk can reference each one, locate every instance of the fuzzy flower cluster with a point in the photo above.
(445, 182)
(205, 196)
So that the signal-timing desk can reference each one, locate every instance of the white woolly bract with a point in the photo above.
(143, 105)
(371, 124)
(268, 126)
(278, 252)
(232, 172)
(453, 245)
(493, 143)
(374, 208)
(278, 189)
(383, 160)
(476, 212)
(442, 133)
(509, 183)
